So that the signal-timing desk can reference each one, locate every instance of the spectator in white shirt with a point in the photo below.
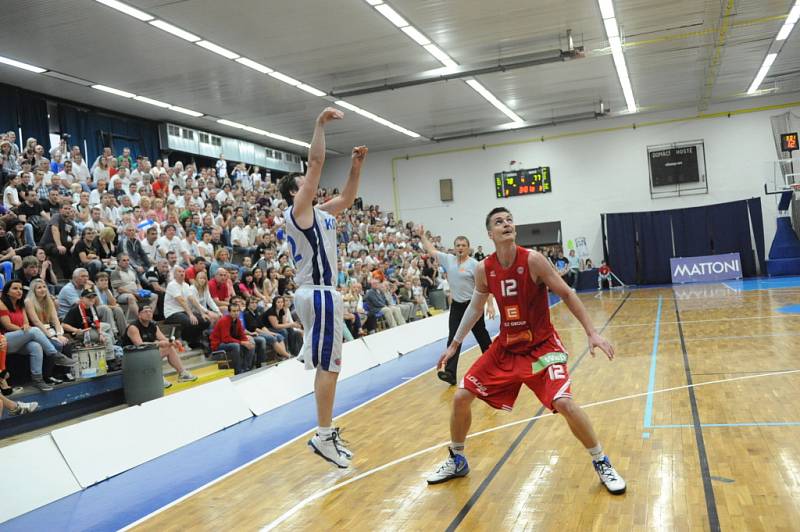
(169, 242)
(222, 167)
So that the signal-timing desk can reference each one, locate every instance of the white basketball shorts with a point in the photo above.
(321, 312)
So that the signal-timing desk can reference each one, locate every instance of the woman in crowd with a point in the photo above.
(280, 320)
(270, 285)
(23, 339)
(255, 327)
(100, 171)
(41, 311)
(46, 272)
(107, 248)
(200, 292)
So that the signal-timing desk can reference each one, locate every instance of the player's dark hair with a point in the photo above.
(287, 185)
(493, 212)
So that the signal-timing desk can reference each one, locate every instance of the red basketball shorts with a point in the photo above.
(497, 375)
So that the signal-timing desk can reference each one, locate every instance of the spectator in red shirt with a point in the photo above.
(198, 265)
(221, 289)
(229, 335)
(603, 274)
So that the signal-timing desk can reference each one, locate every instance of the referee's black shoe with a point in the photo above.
(447, 377)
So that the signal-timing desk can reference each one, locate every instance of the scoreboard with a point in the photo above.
(522, 182)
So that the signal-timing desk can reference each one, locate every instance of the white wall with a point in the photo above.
(602, 172)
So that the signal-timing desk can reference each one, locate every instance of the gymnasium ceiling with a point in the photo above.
(670, 50)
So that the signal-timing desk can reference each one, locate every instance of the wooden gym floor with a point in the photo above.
(722, 454)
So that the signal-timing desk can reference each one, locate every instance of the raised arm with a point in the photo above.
(542, 270)
(427, 244)
(348, 195)
(303, 200)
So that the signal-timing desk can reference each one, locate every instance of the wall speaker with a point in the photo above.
(446, 189)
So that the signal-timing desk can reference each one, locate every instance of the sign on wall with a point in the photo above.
(706, 268)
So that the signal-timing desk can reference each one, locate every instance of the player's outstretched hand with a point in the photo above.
(447, 355)
(359, 154)
(328, 114)
(595, 340)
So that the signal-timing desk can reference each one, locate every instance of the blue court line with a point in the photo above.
(745, 424)
(651, 385)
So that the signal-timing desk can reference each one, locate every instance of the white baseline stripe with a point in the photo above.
(296, 508)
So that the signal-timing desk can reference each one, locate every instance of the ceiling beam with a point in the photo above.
(460, 72)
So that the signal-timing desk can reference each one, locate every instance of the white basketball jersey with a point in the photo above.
(313, 249)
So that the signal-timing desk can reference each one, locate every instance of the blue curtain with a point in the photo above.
(74, 121)
(141, 136)
(730, 231)
(757, 221)
(654, 236)
(9, 102)
(692, 232)
(621, 237)
(33, 118)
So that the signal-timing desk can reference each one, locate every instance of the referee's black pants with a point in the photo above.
(457, 311)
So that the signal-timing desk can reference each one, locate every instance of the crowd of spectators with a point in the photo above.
(116, 251)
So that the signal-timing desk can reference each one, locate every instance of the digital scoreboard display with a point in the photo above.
(789, 142)
(522, 182)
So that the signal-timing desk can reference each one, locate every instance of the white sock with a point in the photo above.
(324, 432)
(597, 452)
(457, 448)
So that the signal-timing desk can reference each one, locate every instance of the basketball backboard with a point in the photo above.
(781, 175)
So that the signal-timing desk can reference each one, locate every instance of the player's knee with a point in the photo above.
(462, 398)
(565, 406)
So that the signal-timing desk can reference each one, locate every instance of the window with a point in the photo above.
(204, 138)
(187, 134)
(173, 131)
(270, 154)
(216, 141)
(278, 156)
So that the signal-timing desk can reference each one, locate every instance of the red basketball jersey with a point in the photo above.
(524, 305)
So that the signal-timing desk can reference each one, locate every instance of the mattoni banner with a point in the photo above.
(707, 268)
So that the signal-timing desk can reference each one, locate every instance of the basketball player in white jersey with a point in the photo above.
(311, 232)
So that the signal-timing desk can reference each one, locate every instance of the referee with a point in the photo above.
(460, 270)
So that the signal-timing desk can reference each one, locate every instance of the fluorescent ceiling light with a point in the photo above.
(217, 49)
(392, 15)
(151, 101)
(23, 66)
(606, 8)
(175, 30)
(415, 34)
(112, 90)
(128, 10)
(612, 30)
(185, 111)
(492, 99)
(255, 130)
(786, 29)
(374, 2)
(255, 66)
(284, 78)
(311, 90)
(794, 14)
(229, 123)
(376, 118)
(762, 73)
(443, 58)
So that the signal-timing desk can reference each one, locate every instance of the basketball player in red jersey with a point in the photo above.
(528, 350)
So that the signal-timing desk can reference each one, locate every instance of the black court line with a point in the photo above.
(708, 489)
(496, 469)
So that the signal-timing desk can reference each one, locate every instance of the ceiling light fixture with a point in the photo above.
(151, 102)
(217, 49)
(112, 90)
(376, 118)
(255, 66)
(23, 66)
(614, 41)
(440, 55)
(416, 35)
(492, 99)
(775, 47)
(174, 30)
(284, 78)
(128, 10)
(185, 111)
(391, 15)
